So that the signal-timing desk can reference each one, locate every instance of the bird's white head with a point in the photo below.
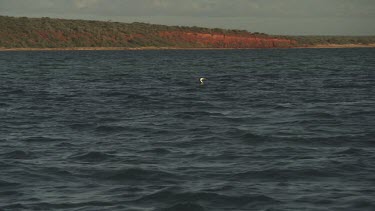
(201, 80)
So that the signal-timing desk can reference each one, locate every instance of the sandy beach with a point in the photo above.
(343, 46)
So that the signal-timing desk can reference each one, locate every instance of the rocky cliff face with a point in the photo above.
(226, 41)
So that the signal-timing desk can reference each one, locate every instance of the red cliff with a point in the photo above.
(216, 40)
(57, 33)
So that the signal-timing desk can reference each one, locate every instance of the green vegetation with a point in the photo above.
(54, 33)
(61, 33)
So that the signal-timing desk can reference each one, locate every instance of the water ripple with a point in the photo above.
(276, 129)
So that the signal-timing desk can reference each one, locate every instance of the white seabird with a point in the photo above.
(201, 80)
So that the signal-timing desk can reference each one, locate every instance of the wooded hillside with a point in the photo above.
(61, 33)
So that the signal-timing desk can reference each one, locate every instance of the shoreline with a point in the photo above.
(180, 48)
(340, 46)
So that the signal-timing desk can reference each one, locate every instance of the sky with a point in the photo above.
(278, 17)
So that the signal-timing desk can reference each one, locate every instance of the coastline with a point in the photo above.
(178, 48)
(341, 46)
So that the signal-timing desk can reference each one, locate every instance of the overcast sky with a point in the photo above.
(293, 17)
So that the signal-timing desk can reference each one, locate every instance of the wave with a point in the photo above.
(65, 144)
(64, 98)
(18, 154)
(9, 193)
(136, 97)
(34, 108)
(91, 156)
(192, 115)
(114, 94)
(4, 105)
(56, 171)
(4, 184)
(287, 174)
(360, 203)
(110, 129)
(14, 92)
(158, 151)
(80, 126)
(283, 106)
(55, 206)
(171, 197)
(43, 139)
(344, 85)
(287, 151)
(360, 113)
(245, 135)
(135, 174)
(5, 164)
(104, 117)
(15, 206)
(362, 139)
(317, 115)
(183, 207)
(352, 151)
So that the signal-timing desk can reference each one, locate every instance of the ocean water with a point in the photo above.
(275, 129)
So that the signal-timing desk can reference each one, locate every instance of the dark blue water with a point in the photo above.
(134, 130)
